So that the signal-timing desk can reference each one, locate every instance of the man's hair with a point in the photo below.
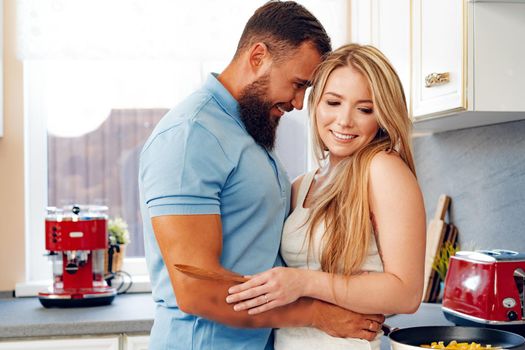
(283, 26)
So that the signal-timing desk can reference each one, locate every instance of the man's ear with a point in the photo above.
(259, 58)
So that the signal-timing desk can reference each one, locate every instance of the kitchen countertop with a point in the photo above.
(25, 317)
(129, 313)
(132, 314)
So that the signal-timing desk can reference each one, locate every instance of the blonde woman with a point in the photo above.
(356, 234)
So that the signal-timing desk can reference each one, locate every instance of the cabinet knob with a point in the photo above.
(434, 79)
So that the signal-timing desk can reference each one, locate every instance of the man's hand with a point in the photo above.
(342, 323)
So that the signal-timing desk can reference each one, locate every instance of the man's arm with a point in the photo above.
(197, 240)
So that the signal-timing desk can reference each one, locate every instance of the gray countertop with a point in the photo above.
(132, 314)
(25, 317)
(129, 313)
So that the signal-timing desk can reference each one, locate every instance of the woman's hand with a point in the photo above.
(267, 290)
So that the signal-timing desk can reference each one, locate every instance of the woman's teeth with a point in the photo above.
(343, 136)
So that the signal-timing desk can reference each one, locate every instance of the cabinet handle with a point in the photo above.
(434, 79)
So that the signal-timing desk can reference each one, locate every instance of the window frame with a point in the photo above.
(38, 269)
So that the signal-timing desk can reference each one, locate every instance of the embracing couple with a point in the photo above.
(322, 259)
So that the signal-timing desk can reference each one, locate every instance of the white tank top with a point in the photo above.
(294, 250)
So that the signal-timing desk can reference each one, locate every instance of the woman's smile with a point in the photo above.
(343, 137)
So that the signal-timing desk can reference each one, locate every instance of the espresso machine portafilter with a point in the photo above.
(76, 241)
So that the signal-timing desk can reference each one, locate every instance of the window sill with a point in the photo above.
(141, 284)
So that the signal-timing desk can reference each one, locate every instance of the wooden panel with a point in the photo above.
(102, 168)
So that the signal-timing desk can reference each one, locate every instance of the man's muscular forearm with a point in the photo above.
(179, 244)
(206, 298)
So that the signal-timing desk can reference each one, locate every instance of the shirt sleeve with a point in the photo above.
(183, 170)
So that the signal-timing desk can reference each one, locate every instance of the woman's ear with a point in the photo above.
(259, 58)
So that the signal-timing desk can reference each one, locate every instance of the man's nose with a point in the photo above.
(298, 100)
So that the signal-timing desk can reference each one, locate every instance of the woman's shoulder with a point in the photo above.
(296, 186)
(387, 160)
(389, 172)
(296, 183)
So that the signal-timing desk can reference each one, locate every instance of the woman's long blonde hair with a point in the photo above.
(343, 205)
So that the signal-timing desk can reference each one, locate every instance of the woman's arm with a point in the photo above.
(397, 205)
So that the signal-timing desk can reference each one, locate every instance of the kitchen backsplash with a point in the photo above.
(483, 171)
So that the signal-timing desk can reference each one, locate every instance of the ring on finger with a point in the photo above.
(371, 325)
(266, 299)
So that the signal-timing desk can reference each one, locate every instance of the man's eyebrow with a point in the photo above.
(306, 83)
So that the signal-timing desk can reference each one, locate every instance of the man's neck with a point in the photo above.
(234, 78)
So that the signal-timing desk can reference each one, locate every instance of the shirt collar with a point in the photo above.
(223, 97)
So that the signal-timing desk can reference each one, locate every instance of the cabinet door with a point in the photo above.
(391, 35)
(106, 343)
(361, 21)
(439, 48)
(136, 342)
(385, 24)
(499, 34)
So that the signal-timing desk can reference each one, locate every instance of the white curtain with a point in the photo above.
(206, 30)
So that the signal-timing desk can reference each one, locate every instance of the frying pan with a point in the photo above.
(411, 338)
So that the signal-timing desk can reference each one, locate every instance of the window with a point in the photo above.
(97, 81)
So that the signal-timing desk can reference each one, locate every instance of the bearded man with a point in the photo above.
(214, 195)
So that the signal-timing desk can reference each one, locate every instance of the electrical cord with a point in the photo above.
(124, 281)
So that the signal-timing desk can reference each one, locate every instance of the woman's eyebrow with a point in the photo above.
(333, 93)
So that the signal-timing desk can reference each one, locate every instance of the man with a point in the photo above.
(214, 195)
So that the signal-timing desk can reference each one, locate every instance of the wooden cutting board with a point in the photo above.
(435, 235)
(451, 235)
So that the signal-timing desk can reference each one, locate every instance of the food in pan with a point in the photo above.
(454, 345)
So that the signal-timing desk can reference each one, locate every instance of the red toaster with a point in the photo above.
(485, 288)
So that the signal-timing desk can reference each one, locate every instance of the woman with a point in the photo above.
(356, 235)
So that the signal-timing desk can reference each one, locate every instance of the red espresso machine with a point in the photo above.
(76, 241)
(485, 288)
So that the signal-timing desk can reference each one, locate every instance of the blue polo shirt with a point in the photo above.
(201, 160)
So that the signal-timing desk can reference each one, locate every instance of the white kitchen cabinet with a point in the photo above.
(467, 65)
(460, 62)
(438, 57)
(136, 342)
(385, 24)
(99, 343)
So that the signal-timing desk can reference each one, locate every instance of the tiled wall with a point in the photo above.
(483, 170)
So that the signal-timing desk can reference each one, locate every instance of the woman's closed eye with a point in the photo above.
(333, 102)
(366, 110)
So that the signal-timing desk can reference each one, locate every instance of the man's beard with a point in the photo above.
(255, 113)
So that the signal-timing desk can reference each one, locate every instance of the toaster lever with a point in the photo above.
(519, 278)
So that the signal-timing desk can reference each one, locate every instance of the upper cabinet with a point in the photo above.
(462, 66)
(386, 25)
(438, 57)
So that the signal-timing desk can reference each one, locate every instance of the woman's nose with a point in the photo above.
(345, 120)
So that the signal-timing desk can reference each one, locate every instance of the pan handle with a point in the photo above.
(388, 329)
